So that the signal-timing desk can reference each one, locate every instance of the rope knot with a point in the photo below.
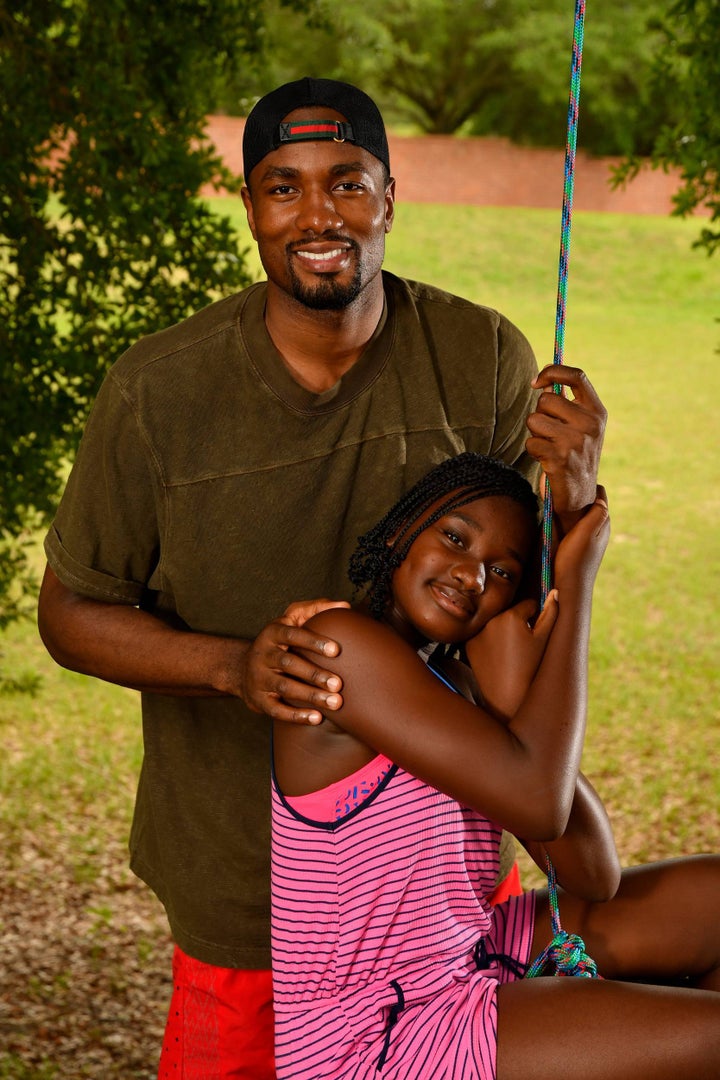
(570, 957)
(566, 954)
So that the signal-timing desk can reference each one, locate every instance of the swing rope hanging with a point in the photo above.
(566, 952)
(565, 232)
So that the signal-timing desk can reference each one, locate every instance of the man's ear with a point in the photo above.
(247, 202)
(389, 205)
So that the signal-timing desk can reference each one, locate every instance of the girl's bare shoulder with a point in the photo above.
(351, 623)
(362, 639)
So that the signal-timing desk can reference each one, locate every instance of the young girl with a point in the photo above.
(387, 958)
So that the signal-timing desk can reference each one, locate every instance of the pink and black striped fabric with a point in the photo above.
(386, 955)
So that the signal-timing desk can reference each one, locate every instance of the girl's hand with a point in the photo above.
(580, 552)
(506, 654)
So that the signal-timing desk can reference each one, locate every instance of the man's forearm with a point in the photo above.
(133, 648)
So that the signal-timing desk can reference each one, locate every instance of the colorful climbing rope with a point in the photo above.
(565, 955)
(565, 232)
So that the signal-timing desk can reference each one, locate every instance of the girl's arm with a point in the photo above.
(505, 657)
(585, 857)
(522, 774)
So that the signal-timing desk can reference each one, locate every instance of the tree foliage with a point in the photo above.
(104, 236)
(487, 67)
(435, 62)
(618, 113)
(688, 68)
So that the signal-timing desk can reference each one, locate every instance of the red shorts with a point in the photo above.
(509, 886)
(220, 1024)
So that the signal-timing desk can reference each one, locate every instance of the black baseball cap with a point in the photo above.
(265, 130)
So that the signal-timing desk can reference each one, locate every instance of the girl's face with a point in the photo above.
(461, 570)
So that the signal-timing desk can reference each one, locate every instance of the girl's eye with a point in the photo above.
(453, 537)
(501, 573)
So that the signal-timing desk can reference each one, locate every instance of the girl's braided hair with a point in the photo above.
(464, 479)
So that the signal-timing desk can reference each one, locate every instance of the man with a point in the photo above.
(227, 469)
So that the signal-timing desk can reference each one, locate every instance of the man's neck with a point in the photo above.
(319, 347)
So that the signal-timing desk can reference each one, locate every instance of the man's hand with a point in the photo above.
(273, 674)
(566, 437)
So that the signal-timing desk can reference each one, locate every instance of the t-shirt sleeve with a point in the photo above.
(517, 368)
(104, 542)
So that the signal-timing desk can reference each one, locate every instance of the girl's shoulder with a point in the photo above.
(364, 643)
(338, 623)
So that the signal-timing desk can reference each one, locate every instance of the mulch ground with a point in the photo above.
(85, 971)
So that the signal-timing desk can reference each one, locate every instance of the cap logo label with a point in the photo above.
(299, 130)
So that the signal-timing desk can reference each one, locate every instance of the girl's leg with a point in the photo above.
(550, 1028)
(662, 926)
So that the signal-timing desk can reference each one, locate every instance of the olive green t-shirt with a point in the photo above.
(212, 490)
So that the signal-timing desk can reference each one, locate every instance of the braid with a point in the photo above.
(463, 479)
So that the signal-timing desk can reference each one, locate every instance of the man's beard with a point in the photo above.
(328, 294)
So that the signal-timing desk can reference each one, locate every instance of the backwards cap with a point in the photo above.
(265, 130)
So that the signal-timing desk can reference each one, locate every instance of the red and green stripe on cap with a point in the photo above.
(299, 130)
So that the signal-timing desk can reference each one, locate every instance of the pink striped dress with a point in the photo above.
(386, 959)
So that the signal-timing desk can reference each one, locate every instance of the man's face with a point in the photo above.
(319, 211)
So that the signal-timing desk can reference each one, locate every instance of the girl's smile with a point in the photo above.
(461, 570)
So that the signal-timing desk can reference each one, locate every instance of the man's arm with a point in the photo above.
(125, 645)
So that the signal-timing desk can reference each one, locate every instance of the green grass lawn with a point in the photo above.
(642, 321)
